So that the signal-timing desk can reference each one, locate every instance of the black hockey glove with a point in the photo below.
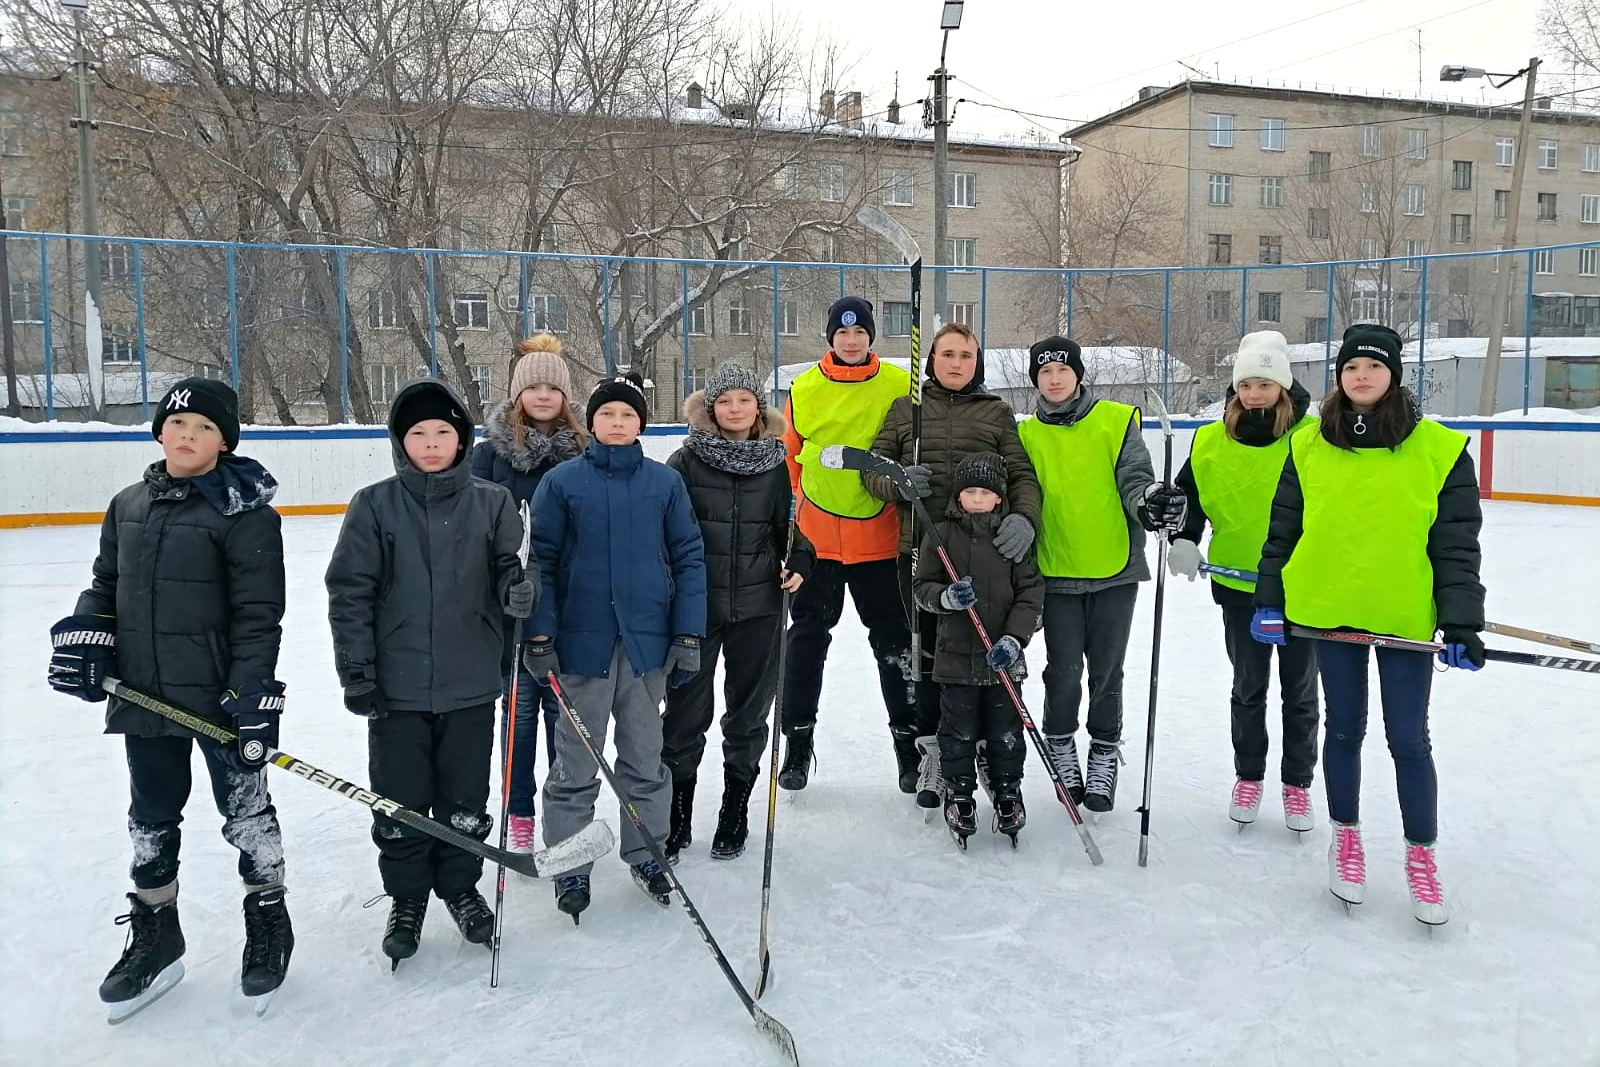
(683, 659)
(539, 659)
(1164, 507)
(522, 596)
(84, 657)
(363, 698)
(255, 711)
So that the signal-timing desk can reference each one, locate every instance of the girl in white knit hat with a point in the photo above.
(524, 436)
(1230, 477)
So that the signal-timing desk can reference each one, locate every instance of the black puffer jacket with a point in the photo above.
(744, 521)
(1010, 595)
(198, 595)
(417, 583)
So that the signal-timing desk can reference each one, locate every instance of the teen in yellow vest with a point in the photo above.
(1375, 527)
(1229, 479)
(1100, 495)
(842, 401)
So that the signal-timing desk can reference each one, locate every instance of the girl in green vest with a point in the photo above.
(1375, 528)
(1229, 479)
(1099, 496)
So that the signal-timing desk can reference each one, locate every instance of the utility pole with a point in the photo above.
(89, 200)
(939, 106)
(1502, 285)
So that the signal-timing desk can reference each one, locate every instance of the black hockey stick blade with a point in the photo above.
(1493, 655)
(585, 846)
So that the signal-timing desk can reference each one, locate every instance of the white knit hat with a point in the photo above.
(1263, 354)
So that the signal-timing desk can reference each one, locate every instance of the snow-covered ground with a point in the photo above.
(890, 947)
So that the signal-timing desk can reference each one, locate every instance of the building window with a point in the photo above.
(471, 311)
(1270, 249)
(1321, 166)
(1220, 128)
(1505, 151)
(700, 320)
(1369, 197)
(1587, 258)
(830, 247)
(1371, 139)
(118, 348)
(470, 234)
(1547, 207)
(1416, 143)
(897, 318)
(1317, 222)
(831, 182)
(1366, 307)
(1369, 248)
(547, 313)
(13, 139)
(963, 189)
(116, 263)
(1316, 279)
(1272, 135)
(1414, 251)
(383, 310)
(1416, 199)
(1591, 157)
(1589, 208)
(482, 376)
(1316, 330)
(789, 318)
(965, 314)
(1544, 261)
(1586, 312)
(963, 252)
(1461, 229)
(1219, 305)
(1269, 307)
(1220, 246)
(738, 315)
(1547, 155)
(19, 212)
(786, 180)
(1461, 174)
(1219, 190)
(384, 380)
(1271, 192)
(1502, 202)
(1457, 328)
(27, 304)
(899, 185)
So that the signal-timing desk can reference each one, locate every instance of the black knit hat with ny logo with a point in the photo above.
(207, 398)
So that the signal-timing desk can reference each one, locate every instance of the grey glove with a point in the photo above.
(520, 598)
(1183, 557)
(921, 479)
(958, 595)
(1014, 538)
(683, 659)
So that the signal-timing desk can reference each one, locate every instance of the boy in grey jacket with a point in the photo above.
(425, 566)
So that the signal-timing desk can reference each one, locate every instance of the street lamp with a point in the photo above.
(949, 19)
(1502, 286)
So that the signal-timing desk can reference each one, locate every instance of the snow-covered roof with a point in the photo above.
(1007, 368)
(792, 118)
(1446, 348)
(72, 390)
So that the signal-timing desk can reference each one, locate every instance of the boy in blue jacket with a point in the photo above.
(624, 571)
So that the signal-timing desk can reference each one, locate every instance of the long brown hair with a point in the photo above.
(516, 418)
(1282, 414)
(1391, 417)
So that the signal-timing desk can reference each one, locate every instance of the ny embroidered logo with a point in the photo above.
(179, 400)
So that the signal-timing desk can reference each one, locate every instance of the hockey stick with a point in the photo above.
(1163, 538)
(890, 229)
(508, 744)
(765, 1023)
(1573, 643)
(763, 955)
(583, 847)
(1526, 659)
(842, 457)
(1229, 572)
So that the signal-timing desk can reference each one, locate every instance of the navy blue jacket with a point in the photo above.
(620, 556)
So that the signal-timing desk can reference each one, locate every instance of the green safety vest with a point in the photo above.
(1083, 531)
(1236, 484)
(826, 413)
(1362, 558)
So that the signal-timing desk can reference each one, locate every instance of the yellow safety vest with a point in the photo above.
(826, 413)
(1236, 484)
(1083, 531)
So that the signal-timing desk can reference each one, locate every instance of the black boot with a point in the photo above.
(733, 820)
(798, 759)
(1100, 776)
(960, 815)
(268, 941)
(906, 760)
(472, 915)
(155, 943)
(572, 895)
(680, 835)
(404, 930)
(649, 877)
(1009, 814)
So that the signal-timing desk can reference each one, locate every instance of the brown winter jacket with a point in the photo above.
(1010, 596)
(954, 426)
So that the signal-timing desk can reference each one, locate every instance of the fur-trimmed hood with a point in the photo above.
(770, 424)
(536, 451)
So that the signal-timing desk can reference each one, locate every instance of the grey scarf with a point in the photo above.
(736, 457)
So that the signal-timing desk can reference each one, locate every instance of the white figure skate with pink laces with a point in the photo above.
(1245, 803)
(1427, 895)
(1297, 809)
(1347, 865)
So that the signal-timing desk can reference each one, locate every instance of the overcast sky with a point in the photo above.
(1074, 60)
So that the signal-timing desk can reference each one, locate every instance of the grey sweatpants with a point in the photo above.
(574, 781)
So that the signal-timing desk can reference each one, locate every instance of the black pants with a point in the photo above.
(436, 765)
(1093, 627)
(1297, 685)
(159, 779)
(749, 651)
(973, 713)
(815, 611)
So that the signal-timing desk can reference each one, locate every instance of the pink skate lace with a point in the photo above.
(1296, 801)
(1246, 794)
(520, 828)
(1423, 875)
(1352, 862)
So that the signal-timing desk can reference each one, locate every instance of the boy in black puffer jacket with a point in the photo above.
(425, 566)
(733, 464)
(1009, 598)
(186, 605)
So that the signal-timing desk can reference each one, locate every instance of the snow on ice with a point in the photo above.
(889, 947)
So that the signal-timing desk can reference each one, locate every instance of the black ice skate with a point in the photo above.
(1100, 778)
(472, 915)
(572, 895)
(733, 820)
(961, 816)
(906, 761)
(1063, 750)
(681, 835)
(151, 962)
(649, 877)
(1009, 814)
(930, 773)
(404, 929)
(797, 760)
(268, 943)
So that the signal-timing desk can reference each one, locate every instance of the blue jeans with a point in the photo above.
(531, 696)
(1404, 681)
